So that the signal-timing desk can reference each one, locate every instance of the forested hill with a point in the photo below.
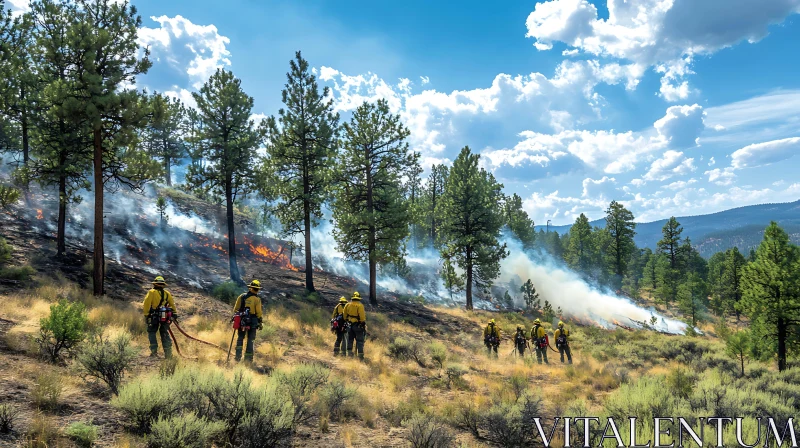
(742, 227)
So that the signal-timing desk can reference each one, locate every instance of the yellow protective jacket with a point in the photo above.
(354, 312)
(491, 330)
(537, 332)
(558, 333)
(154, 299)
(251, 301)
(338, 310)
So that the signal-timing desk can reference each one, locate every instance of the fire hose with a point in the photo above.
(175, 343)
(193, 338)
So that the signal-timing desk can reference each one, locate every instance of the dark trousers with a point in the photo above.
(565, 349)
(521, 349)
(340, 344)
(489, 348)
(357, 334)
(541, 353)
(154, 326)
(251, 337)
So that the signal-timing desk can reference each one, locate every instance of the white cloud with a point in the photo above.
(573, 52)
(721, 176)
(199, 50)
(541, 207)
(711, 162)
(756, 111)
(184, 95)
(424, 80)
(672, 163)
(682, 125)
(680, 184)
(761, 154)
(665, 34)
(604, 189)
(327, 73)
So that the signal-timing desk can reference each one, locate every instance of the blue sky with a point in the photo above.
(673, 107)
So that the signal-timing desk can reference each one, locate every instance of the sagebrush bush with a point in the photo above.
(508, 424)
(8, 417)
(438, 353)
(183, 431)
(404, 349)
(455, 377)
(144, 400)
(107, 359)
(681, 382)
(227, 292)
(425, 431)
(5, 251)
(335, 398)
(466, 416)
(407, 408)
(63, 329)
(314, 317)
(47, 390)
(42, 432)
(301, 384)
(84, 435)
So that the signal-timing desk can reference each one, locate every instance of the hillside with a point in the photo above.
(426, 372)
(742, 227)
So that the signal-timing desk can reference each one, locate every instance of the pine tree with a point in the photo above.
(161, 207)
(581, 253)
(518, 222)
(62, 149)
(452, 280)
(471, 221)
(162, 136)
(413, 194)
(692, 295)
(432, 197)
(229, 145)
(372, 218)
(650, 274)
(105, 34)
(530, 295)
(547, 312)
(714, 280)
(302, 148)
(730, 281)
(738, 346)
(770, 294)
(670, 246)
(621, 229)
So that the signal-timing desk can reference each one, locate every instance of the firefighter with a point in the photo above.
(562, 342)
(491, 338)
(539, 339)
(249, 305)
(356, 318)
(520, 340)
(156, 298)
(338, 326)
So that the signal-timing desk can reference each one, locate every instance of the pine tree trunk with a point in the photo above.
(742, 359)
(781, 344)
(61, 246)
(234, 267)
(469, 279)
(25, 152)
(168, 169)
(98, 271)
(307, 228)
(373, 290)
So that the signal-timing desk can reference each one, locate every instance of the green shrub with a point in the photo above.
(313, 317)
(144, 400)
(455, 377)
(404, 349)
(466, 416)
(8, 416)
(17, 273)
(167, 367)
(183, 431)
(508, 424)
(107, 360)
(47, 390)
(271, 426)
(227, 292)
(42, 432)
(301, 384)
(424, 431)
(5, 251)
(8, 196)
(335, 398)
(63, 329)
(681, 382)
(405, 409)
(646, 398)
(84, 435)
(438, 353)
(518, 383)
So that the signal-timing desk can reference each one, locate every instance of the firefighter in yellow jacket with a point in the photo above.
(338, 326)
(562, 342)
(491, 338)
(158, 298)
(539, 339)
(356, 317)
(249, 306)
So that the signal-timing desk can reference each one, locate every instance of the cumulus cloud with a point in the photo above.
(196, 50)
(682, 125)
(766, 153)
(672, 163)
(604, 189)
(664, 34)
(721, 176)
(562, 209)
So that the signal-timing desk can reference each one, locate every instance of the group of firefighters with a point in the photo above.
(538, 339)
(348, 323)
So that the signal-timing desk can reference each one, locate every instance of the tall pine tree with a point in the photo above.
(371, 216)
(771, 296)
(518, 222)
(670, 246)
(302, 149)
(471, 221)
(730, 281)
(229, 145)
(162, 135)
(432, 198)
(621, 229)
(580, 254)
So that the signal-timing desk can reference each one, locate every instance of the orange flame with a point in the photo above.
(39, 214)
(264, 254)
(147, 262)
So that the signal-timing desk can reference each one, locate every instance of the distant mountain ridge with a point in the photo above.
(742, 227)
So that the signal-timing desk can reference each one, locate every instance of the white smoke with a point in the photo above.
(566, 289)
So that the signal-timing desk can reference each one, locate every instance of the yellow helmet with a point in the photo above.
(255, 284)
(356, 296)
(560, 324)
(537, 321)
(491, 321)
(342, 300)
(159, 281)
